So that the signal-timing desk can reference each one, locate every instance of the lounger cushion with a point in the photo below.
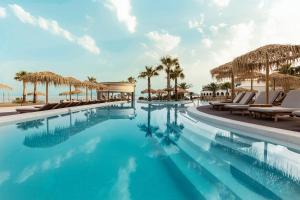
(235, 100)
(275, 109)
(297, 113)
(292, 99)
(261, 98)
(247, 98)
(237, 107)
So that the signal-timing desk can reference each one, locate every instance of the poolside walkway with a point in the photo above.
(287, 123)
(11, 110)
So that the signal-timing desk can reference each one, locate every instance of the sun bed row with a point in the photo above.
(279, 104)
(53, 106)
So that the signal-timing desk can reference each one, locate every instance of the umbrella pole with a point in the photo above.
(267, 79)
(232, 86)
(274, 86)
(251, 84)
(47, 84)
(70, 95)
(86, 94)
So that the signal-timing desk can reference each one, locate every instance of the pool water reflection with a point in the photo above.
(147, 152)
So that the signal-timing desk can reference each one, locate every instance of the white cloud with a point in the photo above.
(2, 12)
(221, 3)
(52, 26)
(281, 25)
(197, 24)
(261, 4)
(123, 10)
(120, 189)
(207, 42)
(163, 40)
(240, 40)
(90, 146)
(215, 28)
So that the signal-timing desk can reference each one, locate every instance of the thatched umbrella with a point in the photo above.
(265, 58)
(146, 91)
(89, 85)
(36, 94)
(46, 78)
(225, 71)
(73, 82)
(285, 81)
(4, 87)
(67, 93)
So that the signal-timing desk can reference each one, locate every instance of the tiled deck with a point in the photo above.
(287, 123)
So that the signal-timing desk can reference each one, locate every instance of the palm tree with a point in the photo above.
(149, 73)
(184, 86)
(131, 80)
(225, 86)
(212, 87)
(175, 74)
(20, 77)
(168, 63)
(148, 128)
(92, 80)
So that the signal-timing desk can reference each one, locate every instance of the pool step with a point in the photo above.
(209, 187)
(220, 170)
(241, 164)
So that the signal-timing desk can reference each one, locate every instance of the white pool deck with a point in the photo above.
(275, 135)
(14, 118)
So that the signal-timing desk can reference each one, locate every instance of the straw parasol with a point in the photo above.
(37, 93)
(146, 91)
(66, 93)
(89, 85)
(73, 82)
(265, 58)
(46, 78)
(180, 90)
(285, 81)
(225, 71)
(4, 87)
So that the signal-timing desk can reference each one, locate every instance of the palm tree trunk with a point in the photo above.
(34, 92)
(24, 91)
(149, 88)
(168, 85)
(47, 85)
(176, 94)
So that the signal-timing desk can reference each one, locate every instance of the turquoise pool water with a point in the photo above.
(150, 152)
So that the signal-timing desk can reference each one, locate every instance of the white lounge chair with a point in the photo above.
(219, 105)
(290, 104)
(259, 102)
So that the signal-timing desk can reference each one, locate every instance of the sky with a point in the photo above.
(115, 39)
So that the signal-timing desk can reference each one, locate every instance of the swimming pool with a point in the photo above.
(147, 152)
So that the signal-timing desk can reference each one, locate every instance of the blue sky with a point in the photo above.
(114, 39)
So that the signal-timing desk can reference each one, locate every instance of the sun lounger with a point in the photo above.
(219, 105)
(290, 104)
(45, 107)
(246, 99)
(259, 102)
(60, 105)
